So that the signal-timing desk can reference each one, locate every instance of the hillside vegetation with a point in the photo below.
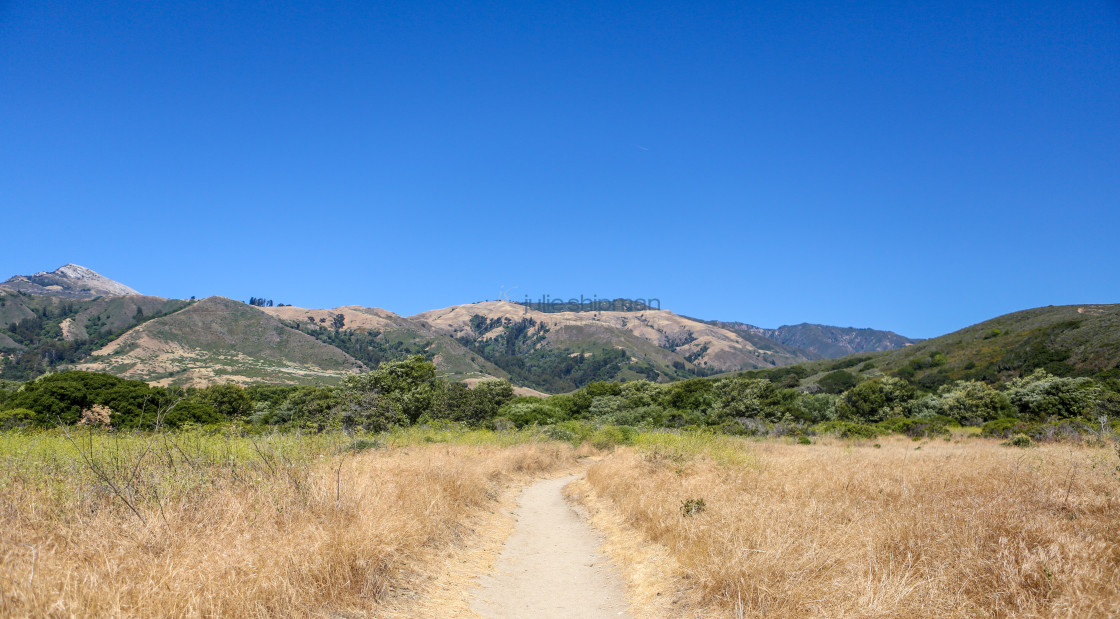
(43, 332)
(218, 340)
(558, 351)
(58, 320)
(1067, 341)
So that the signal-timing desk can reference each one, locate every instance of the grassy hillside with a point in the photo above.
(1065, 340)
(1070, 340)
(219, 339)
(114, 315)
(40, 333)
(560, 351)
(373, 335)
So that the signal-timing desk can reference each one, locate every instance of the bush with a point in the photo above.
(16, 418)
(874, 400)
(838, 382)
(914, 428)
(1041, 395)
(573, 432)
(531, 411)
(691, 507)
(848, 429)
(610, 436)
(1062, 429)
(1019, 440)
(1003, 428)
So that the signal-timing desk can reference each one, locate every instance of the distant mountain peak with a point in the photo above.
(70, 281)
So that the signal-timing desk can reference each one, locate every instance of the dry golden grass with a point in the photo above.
(936, 529)
(260, 530)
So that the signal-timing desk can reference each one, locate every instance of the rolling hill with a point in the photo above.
(74, 317)
(220, 340)
(1069, 340)
(558, 351)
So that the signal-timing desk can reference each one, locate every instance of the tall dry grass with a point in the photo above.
(186, 525)
(935, 529)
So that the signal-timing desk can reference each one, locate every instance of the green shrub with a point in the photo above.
(914, 428)
(874, 400)
(838, 381)
(610, 436)
(361, 444)
(848, 429)
(691, 507)
(573, 432)
(1019, 440)
(16, 418)
(804, 440)
(1004, 428)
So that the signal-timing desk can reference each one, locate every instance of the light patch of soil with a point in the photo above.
(354, 316)
(655, 582)
(471, 382)
(68, 332)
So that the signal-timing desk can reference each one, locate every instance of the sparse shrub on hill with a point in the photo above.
(838, 381)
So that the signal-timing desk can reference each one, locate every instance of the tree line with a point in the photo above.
(1040, 405)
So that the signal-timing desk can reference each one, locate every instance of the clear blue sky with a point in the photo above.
(913, 166)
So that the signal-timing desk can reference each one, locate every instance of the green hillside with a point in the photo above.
(41, 332)
(396, 339)
(1070, 340)
(220, 339)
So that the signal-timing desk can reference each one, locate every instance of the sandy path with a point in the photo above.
(551, 566)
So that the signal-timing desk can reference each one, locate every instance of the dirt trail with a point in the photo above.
(551, 566)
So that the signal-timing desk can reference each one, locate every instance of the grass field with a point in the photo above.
(193, 524)
(960, 528)
(200, 523)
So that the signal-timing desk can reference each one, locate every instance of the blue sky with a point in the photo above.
(913, 166)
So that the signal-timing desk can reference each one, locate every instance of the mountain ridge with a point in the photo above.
(68, 281)
(75, 308)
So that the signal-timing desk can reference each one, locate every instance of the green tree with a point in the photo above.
(972, 402)
(228, 399)
(1041, 395)
(409, 386)
(875, 400)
